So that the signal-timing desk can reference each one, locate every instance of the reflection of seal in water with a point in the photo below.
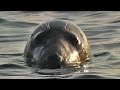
(57, 44)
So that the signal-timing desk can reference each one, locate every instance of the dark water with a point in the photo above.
(101, 27)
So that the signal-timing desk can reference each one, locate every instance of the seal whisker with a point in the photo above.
(41, 25)
(66, 24)
(47, 25)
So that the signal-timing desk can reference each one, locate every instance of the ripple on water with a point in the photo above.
(102, 29)
(4, 22)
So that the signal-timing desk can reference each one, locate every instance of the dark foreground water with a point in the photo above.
(102, 29)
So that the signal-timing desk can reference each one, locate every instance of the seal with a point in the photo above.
(57, 44)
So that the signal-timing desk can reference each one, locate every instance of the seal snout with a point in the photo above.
(53, 59)
(52, 62)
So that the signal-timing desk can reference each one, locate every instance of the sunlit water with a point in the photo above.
(101, 27)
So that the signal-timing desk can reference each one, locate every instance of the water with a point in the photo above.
(101, 27)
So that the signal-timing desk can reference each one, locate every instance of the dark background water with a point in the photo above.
(101, 27)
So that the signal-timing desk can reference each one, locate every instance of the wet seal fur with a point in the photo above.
(57, 44)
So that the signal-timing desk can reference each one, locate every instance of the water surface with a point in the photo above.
(101, 27)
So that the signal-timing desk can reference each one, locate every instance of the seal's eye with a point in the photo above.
(38, 39)
(72, 39)
(41, 38)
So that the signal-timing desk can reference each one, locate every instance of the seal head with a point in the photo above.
(57, 44)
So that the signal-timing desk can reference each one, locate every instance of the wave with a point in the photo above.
(17, 40)
(10, 66)
(115, 21)
(101, 54)
(13, 54)
(4, 22)
(96, 14)
(13, 35)
(89, 76)
(69, 19)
